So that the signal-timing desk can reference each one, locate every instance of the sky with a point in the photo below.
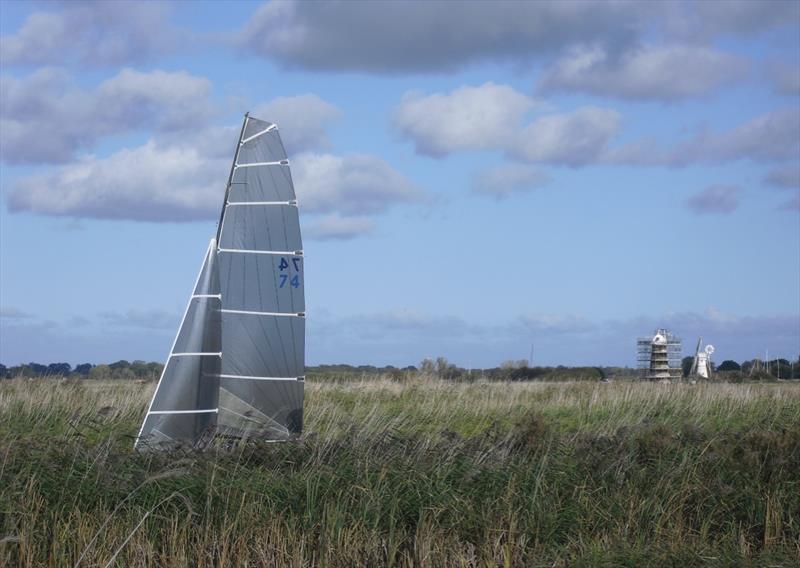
(474, 178)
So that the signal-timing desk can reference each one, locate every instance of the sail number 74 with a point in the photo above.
(294, 281)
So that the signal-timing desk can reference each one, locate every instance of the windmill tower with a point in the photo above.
(659, 356)
(704, 362)
(701, 365)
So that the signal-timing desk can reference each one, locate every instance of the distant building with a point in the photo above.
(702, 365)
(659, 356)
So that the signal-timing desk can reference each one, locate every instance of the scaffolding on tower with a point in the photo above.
(659, 356)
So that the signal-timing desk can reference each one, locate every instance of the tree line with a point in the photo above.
(439, 367)
(114, 371)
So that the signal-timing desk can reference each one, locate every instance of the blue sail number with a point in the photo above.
(284, 264)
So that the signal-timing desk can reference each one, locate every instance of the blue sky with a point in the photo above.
(472, 177)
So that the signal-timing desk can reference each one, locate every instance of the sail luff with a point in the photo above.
(230, 175)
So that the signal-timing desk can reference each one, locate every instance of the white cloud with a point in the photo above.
(338, 227)
(352, 184)
(491, 117)
(503, 181)
(174, 177)
(179, 182)
(152, 182)
(46, 118)
(170, 100)
(468, 118)
(574, 138)
(771, 136)
(303, 120)
(647, 72)
(715, 199)
(96, 34)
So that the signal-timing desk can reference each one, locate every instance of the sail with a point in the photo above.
(184, 406)
(260, 258)
(236, 366)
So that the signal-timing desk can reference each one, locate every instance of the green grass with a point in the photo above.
(421, 472)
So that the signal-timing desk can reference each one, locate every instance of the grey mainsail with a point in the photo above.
(236, 367)
(262, 285)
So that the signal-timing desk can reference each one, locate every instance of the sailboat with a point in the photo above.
(236, 367)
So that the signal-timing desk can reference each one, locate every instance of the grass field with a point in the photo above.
(420, 472)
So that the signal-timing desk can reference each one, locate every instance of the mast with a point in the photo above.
(230, 175)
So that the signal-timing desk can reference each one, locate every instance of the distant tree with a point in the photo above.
(36, 369)
(154, 370)
(3, 371)
(427, 367)
(445, 369)
(514, 364)
(123, 374)
(780, 368)
(686, 365)
(747, 366)
(139, 368)
(121, 364)
(59, 369)
(21, 371)
(84, 369)
(395, 374)
(100, 372)
(729, 365)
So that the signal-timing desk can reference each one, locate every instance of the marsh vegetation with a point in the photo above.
(418, 471)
